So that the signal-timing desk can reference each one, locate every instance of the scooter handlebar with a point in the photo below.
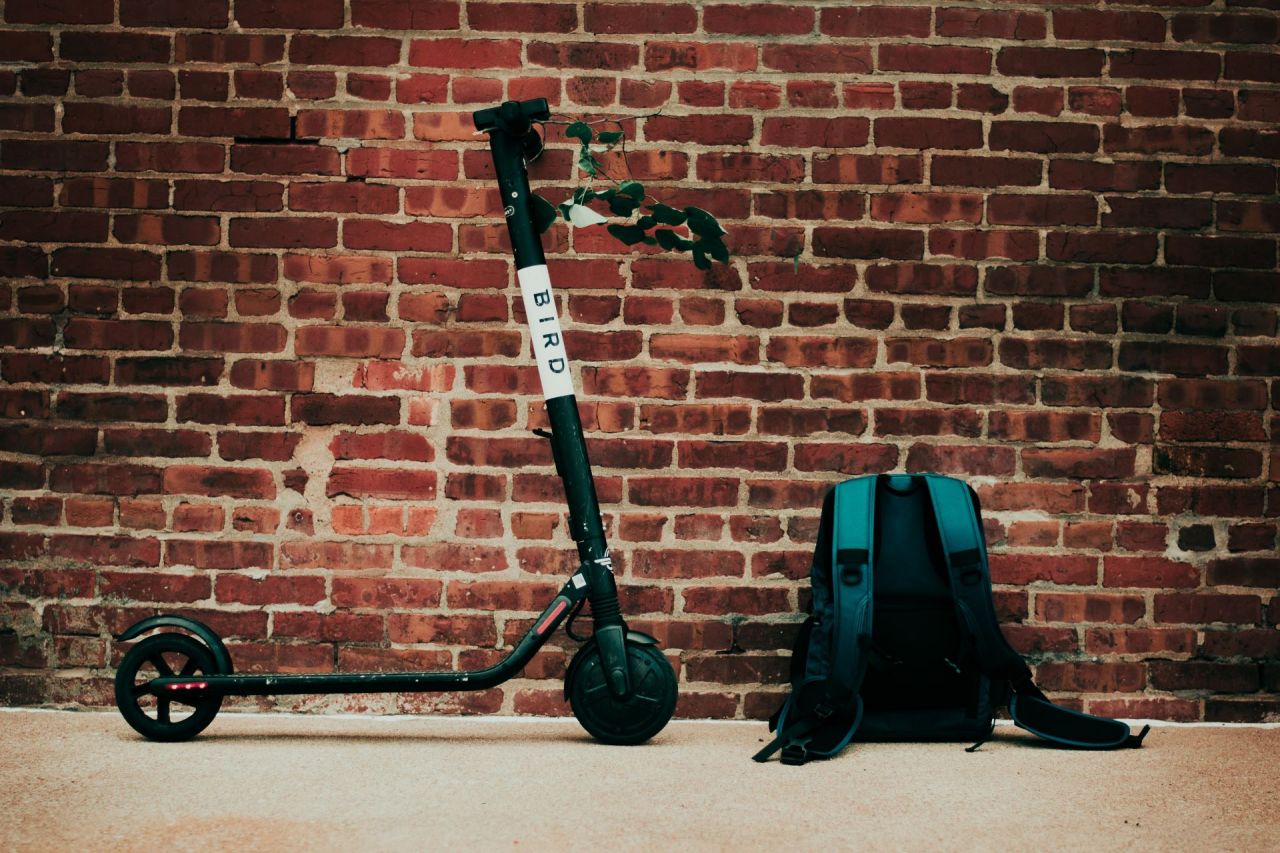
(514, 117)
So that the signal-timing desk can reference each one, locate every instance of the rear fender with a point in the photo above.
(202, 632)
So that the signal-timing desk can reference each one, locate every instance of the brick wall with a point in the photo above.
(262, 361)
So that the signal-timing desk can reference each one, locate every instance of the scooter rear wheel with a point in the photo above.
(638, 718)
(156, 717)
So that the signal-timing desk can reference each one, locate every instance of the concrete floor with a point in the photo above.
(284, 782)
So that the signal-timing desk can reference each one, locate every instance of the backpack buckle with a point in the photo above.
(795, 754)
(967, 564)
(851, 561)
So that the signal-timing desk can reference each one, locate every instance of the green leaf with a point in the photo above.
(702, 223)
(667, 215)
(699, 258)
(581, 194)
(717, 249)
(579, 130)
(544, 212)
(588, 163)
(635, 189)
(623, 205)
(671, 241)
(604, 194)
(795, 262)
(565, 208)
(628, 234)
(646, 222)
(610, 137)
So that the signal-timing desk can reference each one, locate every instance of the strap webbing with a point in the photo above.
(852, 544)
(965, 552)
(786, 738)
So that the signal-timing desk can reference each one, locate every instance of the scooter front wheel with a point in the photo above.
(635, 719)
(181, 716)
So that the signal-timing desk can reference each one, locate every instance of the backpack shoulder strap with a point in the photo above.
(958, 520)
(852, 546)
(822, 713)
(964, 549)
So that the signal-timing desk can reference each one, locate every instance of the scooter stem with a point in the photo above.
(510, 136)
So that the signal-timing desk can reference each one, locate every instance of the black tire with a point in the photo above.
(152, 716)
(609, 720)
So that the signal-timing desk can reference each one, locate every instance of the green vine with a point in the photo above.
(655, 224)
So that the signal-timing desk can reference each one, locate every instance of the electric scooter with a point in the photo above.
(621, 688)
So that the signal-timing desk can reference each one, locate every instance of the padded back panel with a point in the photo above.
(915, 627)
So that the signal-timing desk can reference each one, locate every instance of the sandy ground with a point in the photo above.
(284, 782)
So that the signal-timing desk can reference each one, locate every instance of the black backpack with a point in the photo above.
(903, 642)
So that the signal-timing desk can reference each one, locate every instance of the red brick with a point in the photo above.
(817, 58)
(234, 196)
(1148, 64)
(381, 484)
(125, 47)
(1093, 26)
(1149, 139)
(1044, 137)
(707, 130)
(286, 159)
(59, 12)
(986, 171)
(273, 589)
(926, 207)
(867, 169)
(1233, 27)
(978, 245)
(1092, 677)
(357, 51)
(350, 341)
(849, 460)
(757, 19)
(824, 133)
(1028, 209)
(289, 14)
(747, 600)
(232, 337)
(934, 59)
(406, 14)
(287, 232)
(156, 442)
(640, 18)
(986, 23)
(236, 268)
(234, 121)
(1050, 62)
(923, 133)
(211, 481)
(465, 53)
(700, 56)
(1088, 175)
(868, 243)
(875, 21)
(1094, 100)
(1212, 676)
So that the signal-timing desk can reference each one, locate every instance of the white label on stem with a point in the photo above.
(544, 328)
